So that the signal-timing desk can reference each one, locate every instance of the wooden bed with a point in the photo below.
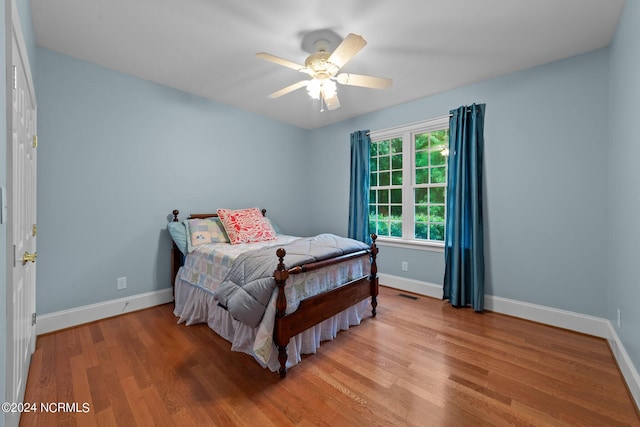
(310, 311)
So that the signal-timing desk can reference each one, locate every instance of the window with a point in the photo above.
(408, 182)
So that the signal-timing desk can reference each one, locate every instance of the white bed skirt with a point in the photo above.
(194, 305)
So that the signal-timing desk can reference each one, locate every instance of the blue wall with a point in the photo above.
(624, 148)
(117, 154)
(546, 179)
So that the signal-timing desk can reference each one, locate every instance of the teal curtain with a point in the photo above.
(359, 190)
(464, 239)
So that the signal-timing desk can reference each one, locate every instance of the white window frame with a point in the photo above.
(407, 133)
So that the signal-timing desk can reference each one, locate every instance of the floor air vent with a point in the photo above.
(407, 296)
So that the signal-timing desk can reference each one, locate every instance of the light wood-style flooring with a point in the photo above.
(418, 363)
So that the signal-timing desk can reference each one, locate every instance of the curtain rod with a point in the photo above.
(409, 125)
(403, 126)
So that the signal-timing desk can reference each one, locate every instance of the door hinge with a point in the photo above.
(33, 319)
(14, 77)
(34, 231)
(35, 141)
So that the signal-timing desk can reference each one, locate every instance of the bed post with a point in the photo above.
(280, 337)
(373, 279)
(175, 255)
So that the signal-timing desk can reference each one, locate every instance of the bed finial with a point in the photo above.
(280, 253)
(175, 212)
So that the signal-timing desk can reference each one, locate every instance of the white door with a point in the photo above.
(21, 154)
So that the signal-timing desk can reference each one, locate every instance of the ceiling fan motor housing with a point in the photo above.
(322, 69)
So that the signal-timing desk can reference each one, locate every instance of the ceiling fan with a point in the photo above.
(323, 67)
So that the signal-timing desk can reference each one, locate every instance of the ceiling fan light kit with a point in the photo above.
(325, 87)
(323, 66)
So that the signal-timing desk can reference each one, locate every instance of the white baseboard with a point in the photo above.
(411, 285)
(90, 313)
(625, 364)
(585, 324)
(577, 322)
(549, 316)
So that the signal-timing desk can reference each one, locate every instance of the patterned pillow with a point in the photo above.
(246, 225)
(203, 231)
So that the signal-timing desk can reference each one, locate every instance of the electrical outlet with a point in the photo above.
(121, 283)
(619, 321)
(405, 266)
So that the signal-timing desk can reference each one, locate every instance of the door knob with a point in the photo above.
(29, 257)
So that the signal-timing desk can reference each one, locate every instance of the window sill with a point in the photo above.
(410, 244)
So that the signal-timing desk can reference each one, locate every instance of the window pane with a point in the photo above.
(396, 178)
(372, 211)
(420, 231)
(384, 178)
(396, 195)
(383, 228)
(383, 196)
(396, 161)
(396, 212)
(422, 176)
(396, 229)
(438, 175)
(422, 141)
(437, 158)
(421, 195)
(372, 197)
(422, 212)
(437, 214)
(439, 137)
(373, 164)
(373, 149)
(383, 147)
(383, 212)
(373, 180)
(436, 232)
(396, 145)
(385, 163)
(422, 158)
(437, 195)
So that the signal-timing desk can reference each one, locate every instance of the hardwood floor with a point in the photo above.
(418, 363)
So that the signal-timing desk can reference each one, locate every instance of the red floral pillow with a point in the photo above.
(246, 225)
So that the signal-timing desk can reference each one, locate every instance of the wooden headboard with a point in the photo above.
(176, 255)
(176, 212)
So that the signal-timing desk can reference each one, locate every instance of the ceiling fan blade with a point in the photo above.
(363, 81)
(288, 89)
(347, 50)
(333, 102)
(281, 61)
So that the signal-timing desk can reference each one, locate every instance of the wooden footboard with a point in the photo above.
(316, 309)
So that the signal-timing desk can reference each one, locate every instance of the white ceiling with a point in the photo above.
(207, 47)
